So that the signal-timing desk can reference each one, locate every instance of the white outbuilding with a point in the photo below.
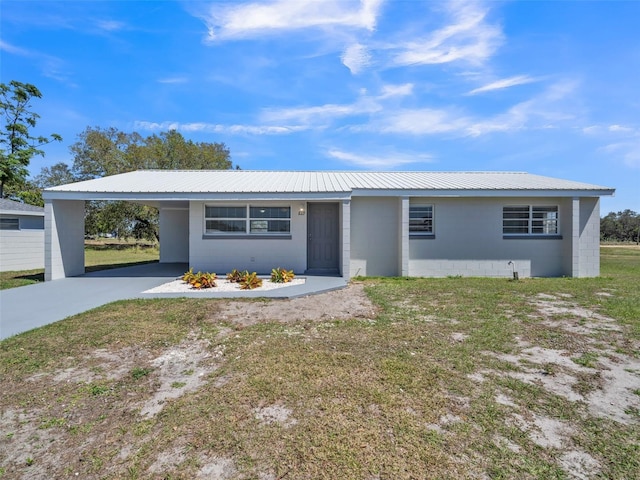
(21, 236)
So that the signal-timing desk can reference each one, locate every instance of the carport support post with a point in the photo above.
(403, 251)
(63, 238)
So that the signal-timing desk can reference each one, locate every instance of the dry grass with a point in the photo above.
(453, 378)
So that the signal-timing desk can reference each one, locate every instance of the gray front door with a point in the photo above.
(323, 238)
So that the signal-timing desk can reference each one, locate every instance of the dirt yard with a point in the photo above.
(96, 413)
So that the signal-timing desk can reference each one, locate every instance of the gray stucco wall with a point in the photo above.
(22, 249)
(375, 236)
(221, 255)
(589, 263)
(469, 241)
(174, 235)
(64, 238)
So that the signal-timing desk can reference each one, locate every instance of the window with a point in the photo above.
(225, 219)
(420, 219)
(530, 220)
(245, 219)
(9, 224)
(270, 219)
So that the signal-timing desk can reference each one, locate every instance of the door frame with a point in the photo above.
(335, 270)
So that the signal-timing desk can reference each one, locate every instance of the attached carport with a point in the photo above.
(64, 230)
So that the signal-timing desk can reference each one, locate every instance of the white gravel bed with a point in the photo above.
(223, 285)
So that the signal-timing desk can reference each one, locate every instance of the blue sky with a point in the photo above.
(547, 87)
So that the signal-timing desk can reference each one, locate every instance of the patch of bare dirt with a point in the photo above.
(346, 303)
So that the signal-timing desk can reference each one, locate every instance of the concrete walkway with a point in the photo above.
(32, 306)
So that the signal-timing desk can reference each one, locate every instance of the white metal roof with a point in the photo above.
(185, 184)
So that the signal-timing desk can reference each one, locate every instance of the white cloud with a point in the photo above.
(385, 162)
(628, 152)
(110, 25)
(468, 38)
(173, 80)
(322, 113)
(620, 128)
(422, 122)
(396, 90)
(216, 128)
(504, 83)
(7, 47)
(356, 58)
(52, 67)
(251, 20)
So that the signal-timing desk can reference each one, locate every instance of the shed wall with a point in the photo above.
(221, 255)
(23, 249)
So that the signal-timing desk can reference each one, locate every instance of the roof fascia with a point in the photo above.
(22, 213)
(213, 196)
(482, 193)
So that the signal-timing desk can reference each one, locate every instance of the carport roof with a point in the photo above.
(213, 184)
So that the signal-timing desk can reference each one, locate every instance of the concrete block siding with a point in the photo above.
(470, 268)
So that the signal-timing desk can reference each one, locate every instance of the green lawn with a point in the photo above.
(97, 256)
(454, 378)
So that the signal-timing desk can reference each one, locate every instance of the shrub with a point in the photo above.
(200, 280)
(250, 281)
(281, 275)
(188, 276)
(236, 275)
(204, 280)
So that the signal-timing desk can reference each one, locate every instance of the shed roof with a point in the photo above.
(9, 207)
(181, 184)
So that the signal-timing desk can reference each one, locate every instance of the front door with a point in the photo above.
(323, 239)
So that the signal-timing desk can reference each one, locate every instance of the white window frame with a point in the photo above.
(534, 221)
(255, 219)
(247, 220)
(242, 219)
(422, 233)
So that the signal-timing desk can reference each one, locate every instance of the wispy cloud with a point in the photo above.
(356, 58)
(110, 25)
(173, 80)
(396, 90)
(320, 114)
(628, 152)
(215, 128)
(469, 37)
(7, 47)
(255, 19)
(503, 83)
(623, 142)
(385, 162)
(51, 66)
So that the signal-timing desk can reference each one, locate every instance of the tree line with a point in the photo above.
(97, 152)
(620, 227)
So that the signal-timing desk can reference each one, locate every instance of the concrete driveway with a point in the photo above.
(32, 306)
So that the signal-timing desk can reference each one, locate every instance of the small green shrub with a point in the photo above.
(250, 281)
(281, 275)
